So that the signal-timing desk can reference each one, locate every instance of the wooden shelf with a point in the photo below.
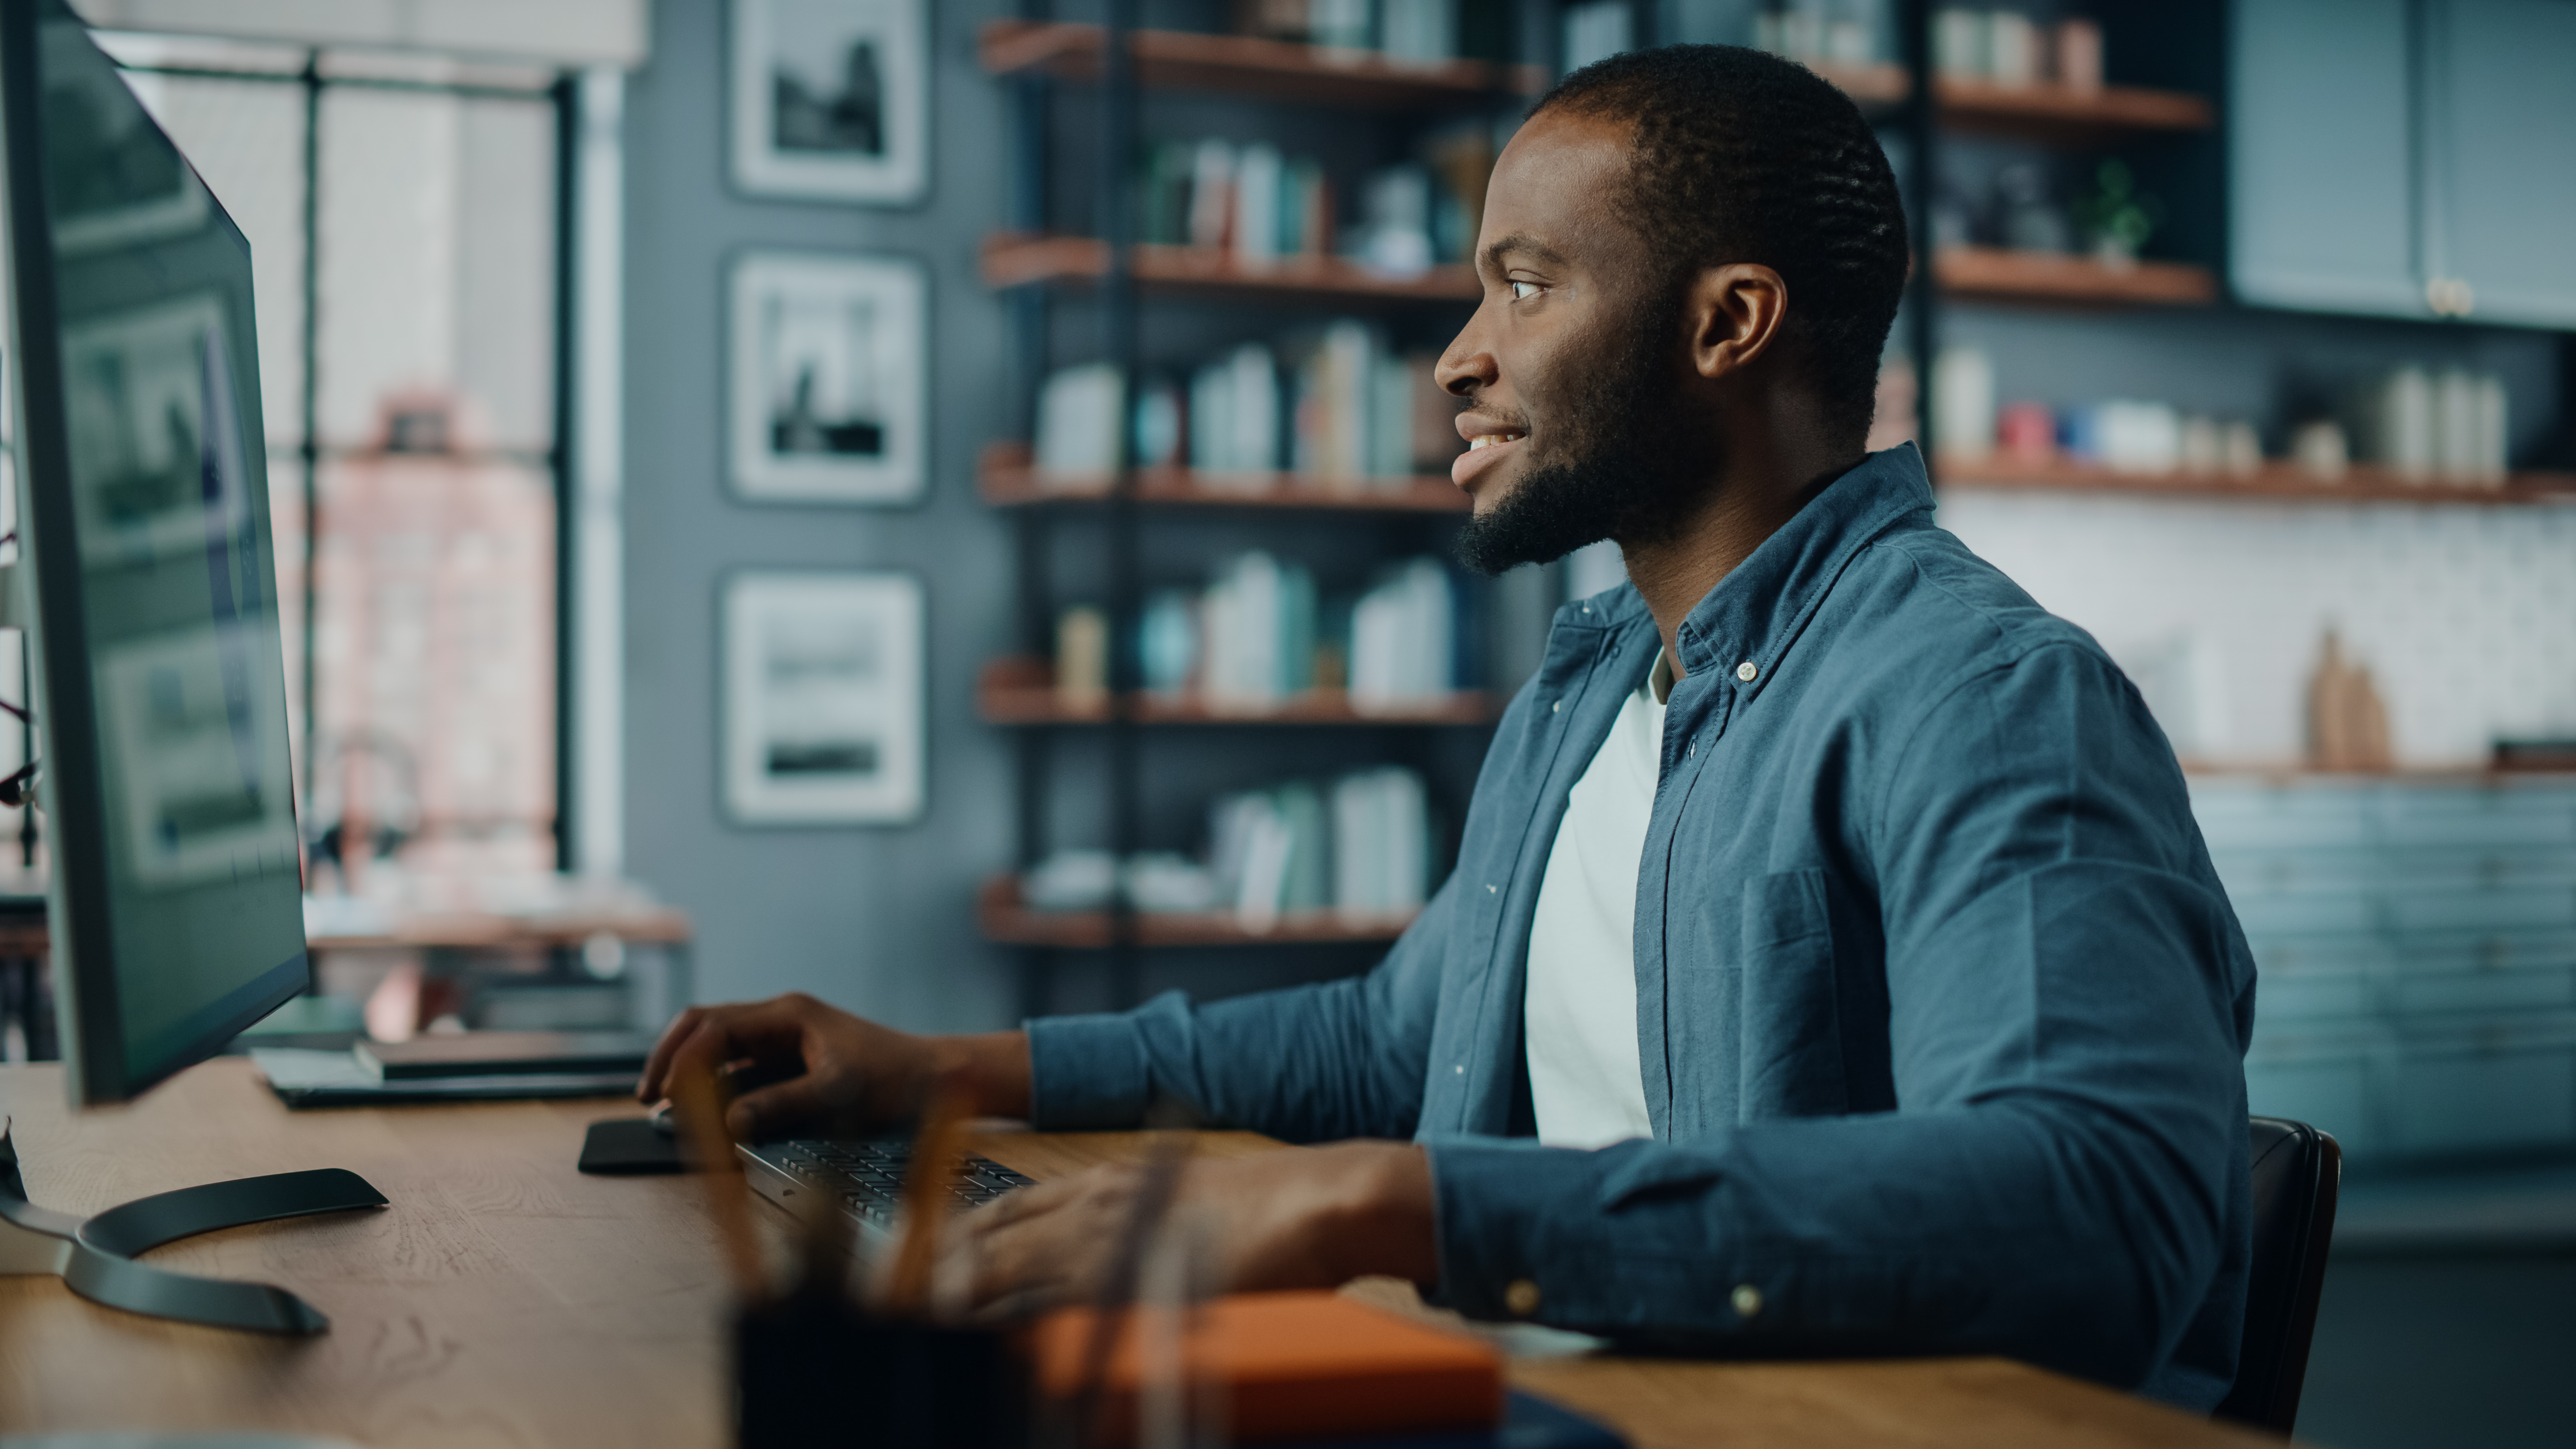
(2064, 115)
(2046, 112)
(1006, 479)
(1238, 65)
(1003, 917)
(2275, 482)
(1021, 691)
(1873, 86)
(1020, 260)
(2000, 274)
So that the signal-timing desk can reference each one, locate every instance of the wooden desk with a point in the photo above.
(506, 1299)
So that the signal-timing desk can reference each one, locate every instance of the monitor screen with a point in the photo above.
(160, 695)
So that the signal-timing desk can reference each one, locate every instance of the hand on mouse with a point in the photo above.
(828, 1072)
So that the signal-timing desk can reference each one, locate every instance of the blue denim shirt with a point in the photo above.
(1941, 1009)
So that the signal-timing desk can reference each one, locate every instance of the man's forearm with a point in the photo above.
(1390, 1223)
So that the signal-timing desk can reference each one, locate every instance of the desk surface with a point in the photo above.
(506, 1299)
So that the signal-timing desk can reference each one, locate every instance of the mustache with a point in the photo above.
(1516, 419)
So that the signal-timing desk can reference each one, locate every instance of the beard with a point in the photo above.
(1624, 463)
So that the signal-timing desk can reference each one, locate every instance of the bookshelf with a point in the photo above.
(1082, 282)
(2042, 111)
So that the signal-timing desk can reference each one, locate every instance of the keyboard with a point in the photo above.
(864, 1178)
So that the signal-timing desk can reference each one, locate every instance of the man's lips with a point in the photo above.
(1487, 443)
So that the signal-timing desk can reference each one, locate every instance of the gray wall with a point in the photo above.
(877, 920)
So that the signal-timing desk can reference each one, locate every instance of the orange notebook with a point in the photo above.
(1309, 1365)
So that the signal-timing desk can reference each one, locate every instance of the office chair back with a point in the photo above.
(2296, 1172)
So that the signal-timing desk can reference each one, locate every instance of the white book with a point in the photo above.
(2401, 425)
(1358, 848)
(1257, 173)
(1390, 425)
(1211, 193)
(1377, 622)
(1078, 413)
(1267, 845)
(1254, 447)
(1333, 423)
(1408, 846)
(1419, 32)
(1243, 667)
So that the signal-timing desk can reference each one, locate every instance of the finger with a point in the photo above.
(770, 1033)
(1021, 1203)
(649, 1086)
(795, 1107)
(1025, 1262)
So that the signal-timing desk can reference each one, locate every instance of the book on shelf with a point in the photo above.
(1344, 411)
(1263, 208)
(1260, 635)
(1358, 847)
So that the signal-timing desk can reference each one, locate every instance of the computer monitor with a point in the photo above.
(149, 583)
(147, 586)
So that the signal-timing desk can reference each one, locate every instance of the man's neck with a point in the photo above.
(1757, 494)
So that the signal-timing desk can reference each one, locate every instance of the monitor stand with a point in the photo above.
(95, 1256)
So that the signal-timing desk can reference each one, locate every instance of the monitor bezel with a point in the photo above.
(71, 790)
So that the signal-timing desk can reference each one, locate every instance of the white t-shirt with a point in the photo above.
(1581, 1007)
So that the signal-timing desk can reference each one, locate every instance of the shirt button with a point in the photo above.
(1460, 1069)
(1521, 1297)
(1747, 671)
(1489, 890)
(1747, 1300)
(1553, 708)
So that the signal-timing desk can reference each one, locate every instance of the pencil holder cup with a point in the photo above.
(813, 1370)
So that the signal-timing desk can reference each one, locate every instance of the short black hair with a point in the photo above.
(1742, 156)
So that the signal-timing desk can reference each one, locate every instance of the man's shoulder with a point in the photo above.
(1922, 598)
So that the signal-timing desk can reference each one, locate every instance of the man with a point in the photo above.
(1832, 964)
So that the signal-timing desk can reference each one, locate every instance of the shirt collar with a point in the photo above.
(1747, 623)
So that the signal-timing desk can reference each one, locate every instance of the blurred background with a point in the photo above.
(692, 425)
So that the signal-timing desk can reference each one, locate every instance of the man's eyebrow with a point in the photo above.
(1523, 243)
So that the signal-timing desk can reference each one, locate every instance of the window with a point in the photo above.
(403, 216)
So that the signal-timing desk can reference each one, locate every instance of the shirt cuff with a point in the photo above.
(1085, 1073)
(1494, 1204)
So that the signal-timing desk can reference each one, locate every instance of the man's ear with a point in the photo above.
(1736, 312)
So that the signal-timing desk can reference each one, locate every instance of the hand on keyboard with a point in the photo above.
(815, 1071)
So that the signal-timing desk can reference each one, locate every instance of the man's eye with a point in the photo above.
(1523, 291)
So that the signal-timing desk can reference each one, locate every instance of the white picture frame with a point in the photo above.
(829, 367)
(831, 100)
(823, 697)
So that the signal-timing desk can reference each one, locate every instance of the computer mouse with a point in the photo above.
(663, 1122)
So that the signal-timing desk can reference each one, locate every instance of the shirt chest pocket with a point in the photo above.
(1789, 1046)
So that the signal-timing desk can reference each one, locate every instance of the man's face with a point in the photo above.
(1573, 362)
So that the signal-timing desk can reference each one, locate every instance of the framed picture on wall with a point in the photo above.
(831, 99)
(828, 358)
(822, 697)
